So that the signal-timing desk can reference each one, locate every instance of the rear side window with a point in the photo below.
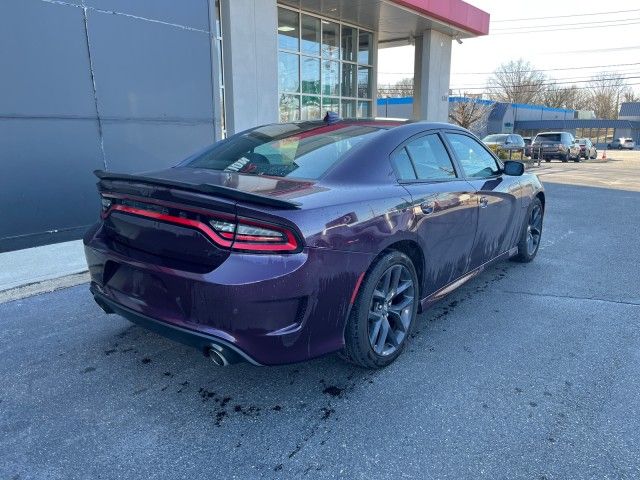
(548, 137)
(403, 165)
(475, 160)
(424, 158)
(284, 150)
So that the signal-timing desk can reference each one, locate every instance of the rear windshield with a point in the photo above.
(300, 150)
(628, 140)
(548, 137)
(495, 138)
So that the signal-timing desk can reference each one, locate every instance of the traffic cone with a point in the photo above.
(604, 154)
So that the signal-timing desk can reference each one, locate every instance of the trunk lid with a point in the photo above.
(184, 217)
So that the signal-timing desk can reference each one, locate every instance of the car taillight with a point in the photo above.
(226, 231)
(252, 235)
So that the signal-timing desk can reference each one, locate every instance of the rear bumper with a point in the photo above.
(266, 309)
(197, 340)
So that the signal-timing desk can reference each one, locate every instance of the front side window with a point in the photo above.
(283, 150)
(474, 159)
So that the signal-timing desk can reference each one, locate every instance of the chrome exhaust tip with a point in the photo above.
(217, 357)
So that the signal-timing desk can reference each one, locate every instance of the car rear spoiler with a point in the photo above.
(205, 188)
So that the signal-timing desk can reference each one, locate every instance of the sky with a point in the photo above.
(581, 45)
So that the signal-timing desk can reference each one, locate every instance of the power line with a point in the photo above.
(489, 92)
(563, 16)
(564, 29)
(573, 80)
(532, 70)
(584, 24)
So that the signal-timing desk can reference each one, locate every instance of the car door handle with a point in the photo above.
(427, 208)
(484, 202)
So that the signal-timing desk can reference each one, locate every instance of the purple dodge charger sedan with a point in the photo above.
(290, 241)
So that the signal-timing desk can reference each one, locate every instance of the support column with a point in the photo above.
(250, 46)
(431, 77)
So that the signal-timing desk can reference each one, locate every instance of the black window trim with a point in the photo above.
(417, 180)
(453, 153)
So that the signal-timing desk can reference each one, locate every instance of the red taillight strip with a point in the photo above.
(290, 246)
(242, 242)
(208, 231)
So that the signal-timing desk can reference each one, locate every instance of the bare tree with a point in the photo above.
(605, 93)
(402, 88)
(630, 95)
(470, 114)
(516, 82)
(559, 96)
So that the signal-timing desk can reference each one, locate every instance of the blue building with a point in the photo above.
(529, 120)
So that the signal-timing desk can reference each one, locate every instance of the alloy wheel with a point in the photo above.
(534, 229)
(391, 310)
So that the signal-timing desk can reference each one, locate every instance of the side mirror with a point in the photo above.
(513, 169)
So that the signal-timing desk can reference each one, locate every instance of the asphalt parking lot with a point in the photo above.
(529, 371)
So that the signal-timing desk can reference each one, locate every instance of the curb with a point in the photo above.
(45, 286)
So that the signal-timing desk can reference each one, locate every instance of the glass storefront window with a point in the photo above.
(349, 36)
(348, 80)
(349, 109)
(323, 65)
(288, 30)
(310, 35)
(288, 70)
(330, 40)
(364, 82)
(365, 44)
(364, 109)
(311, 108)
(289, 108)
(310, 75)
(330, 105)
(330, 78)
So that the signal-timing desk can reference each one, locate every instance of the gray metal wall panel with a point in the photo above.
(46, 176)
(44, 61)
(154, 91)
(137, 147)
(188, 13)
(149, 70)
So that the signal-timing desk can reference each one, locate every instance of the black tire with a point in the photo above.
(359, 348)
(547, 160)
(526, 252)
(577, 159)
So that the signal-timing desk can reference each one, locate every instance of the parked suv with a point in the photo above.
(527, 146)
(587, 149)
(620, 143)
(505, 141)
(560, 145)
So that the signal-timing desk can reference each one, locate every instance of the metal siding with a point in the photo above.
(630, 109)
(150, 70)
(46, 176)
(186, 13)
(138, 146)
(45, 64)
(154, 95)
